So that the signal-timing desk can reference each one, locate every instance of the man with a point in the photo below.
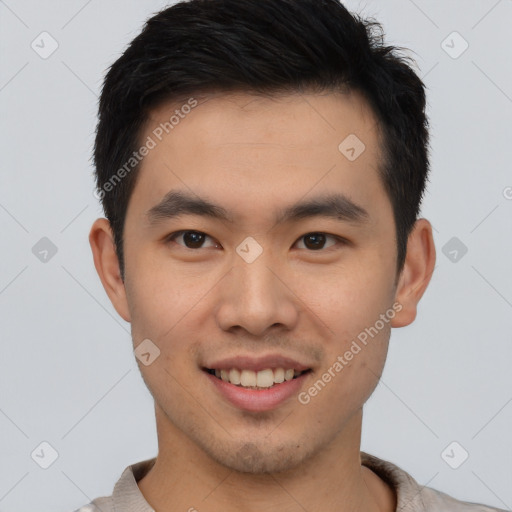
(261, 165)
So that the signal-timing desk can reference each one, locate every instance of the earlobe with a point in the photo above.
(418, 268)
(101, 240)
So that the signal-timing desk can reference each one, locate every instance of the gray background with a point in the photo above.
(67, 372)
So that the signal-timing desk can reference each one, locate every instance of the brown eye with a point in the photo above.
(191, 239)
(316, 241)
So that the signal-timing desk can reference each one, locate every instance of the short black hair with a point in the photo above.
(264, 47)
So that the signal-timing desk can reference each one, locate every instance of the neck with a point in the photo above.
(185, 478)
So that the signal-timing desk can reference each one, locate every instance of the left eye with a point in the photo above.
(316, 241)
(196, 239)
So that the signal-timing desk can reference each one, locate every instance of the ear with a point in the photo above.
(415, 276)
(106, 262)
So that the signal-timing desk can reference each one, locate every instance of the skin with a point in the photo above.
(254, 155)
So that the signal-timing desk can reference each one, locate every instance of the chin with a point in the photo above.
(260, 458)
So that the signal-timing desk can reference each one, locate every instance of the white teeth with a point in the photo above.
(278, 375)
(262, 379)
(234, 376)
(248, 378)
(265, 378)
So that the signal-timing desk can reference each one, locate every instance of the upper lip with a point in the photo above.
(257, 364)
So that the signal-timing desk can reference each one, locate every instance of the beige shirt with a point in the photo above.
(411, 497)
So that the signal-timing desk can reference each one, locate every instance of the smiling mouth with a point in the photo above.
(263, 379)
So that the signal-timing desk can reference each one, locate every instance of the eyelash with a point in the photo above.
(176, 234)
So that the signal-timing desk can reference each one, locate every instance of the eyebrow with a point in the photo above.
(337, 206)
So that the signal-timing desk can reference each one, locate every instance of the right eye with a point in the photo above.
(191, 239)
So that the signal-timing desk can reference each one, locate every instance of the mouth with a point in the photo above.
(257, 384)
(256, 380)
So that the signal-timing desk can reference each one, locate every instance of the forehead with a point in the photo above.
(308, 118)
(244, 147)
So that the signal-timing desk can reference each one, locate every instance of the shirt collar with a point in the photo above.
(126, 496)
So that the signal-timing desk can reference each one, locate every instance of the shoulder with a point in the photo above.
(433, 500)
(413, 497)
(105, 504)
(126, 494)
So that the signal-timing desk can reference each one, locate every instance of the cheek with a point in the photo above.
(352, 369)
(172, 308)
(357, 309)
(349, 299)
(157, 293)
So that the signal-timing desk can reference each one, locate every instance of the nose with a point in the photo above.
(257, 297)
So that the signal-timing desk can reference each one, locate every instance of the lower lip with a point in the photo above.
(255, 400)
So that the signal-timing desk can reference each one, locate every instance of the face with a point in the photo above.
(239, 291)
